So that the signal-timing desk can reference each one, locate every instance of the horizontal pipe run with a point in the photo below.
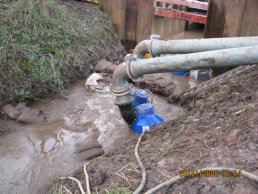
(158, 47)
(210, 59)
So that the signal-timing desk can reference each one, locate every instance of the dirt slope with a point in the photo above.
(221, 130)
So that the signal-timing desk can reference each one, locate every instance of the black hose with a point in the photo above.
(128, 113)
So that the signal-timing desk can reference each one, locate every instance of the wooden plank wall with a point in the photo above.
(130, 24)
(132, 19)
(250, 21)
(119, 17)
(108, 6)
(231, 18)
(144, 20)
(215, 19)
(234, 18)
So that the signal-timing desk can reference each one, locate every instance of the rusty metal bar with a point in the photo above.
(187, 16)
(194, 4)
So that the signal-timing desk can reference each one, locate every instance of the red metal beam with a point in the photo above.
(191, 17)
(194, 4)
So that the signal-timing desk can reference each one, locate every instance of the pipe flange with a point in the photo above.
(130, 73)
(150, 50)
(128, 68)
(121, 92)
(153, 37)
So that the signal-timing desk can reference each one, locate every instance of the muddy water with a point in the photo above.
(174, 29)
(34, 155)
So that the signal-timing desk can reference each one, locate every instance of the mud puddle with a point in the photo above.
(32, 156)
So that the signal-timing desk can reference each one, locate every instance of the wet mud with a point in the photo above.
(34, 155)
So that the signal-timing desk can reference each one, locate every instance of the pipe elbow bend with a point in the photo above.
(142, 48)
(120, 85)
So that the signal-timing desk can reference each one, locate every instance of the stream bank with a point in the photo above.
(221, 130)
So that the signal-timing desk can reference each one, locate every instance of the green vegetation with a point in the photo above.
(39, 54)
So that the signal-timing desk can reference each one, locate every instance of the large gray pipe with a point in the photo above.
(136, 68)
(157, 47)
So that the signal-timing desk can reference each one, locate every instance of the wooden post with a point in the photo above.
(216, 17)
(234, 18)
(250, 21)
(131, 23)
(101, 3)
(107, 5)
(144, 19)
(118, 15)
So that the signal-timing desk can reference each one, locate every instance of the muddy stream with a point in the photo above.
(32, 156)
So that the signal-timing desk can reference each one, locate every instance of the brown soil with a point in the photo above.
(158, 84)
(221, 130)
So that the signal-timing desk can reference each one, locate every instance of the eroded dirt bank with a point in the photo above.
(221, 130)
(41, 55)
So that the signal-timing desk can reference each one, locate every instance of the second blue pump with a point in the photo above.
(146, 116)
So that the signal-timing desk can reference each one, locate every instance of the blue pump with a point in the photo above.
(140, 97)
(146, 116)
